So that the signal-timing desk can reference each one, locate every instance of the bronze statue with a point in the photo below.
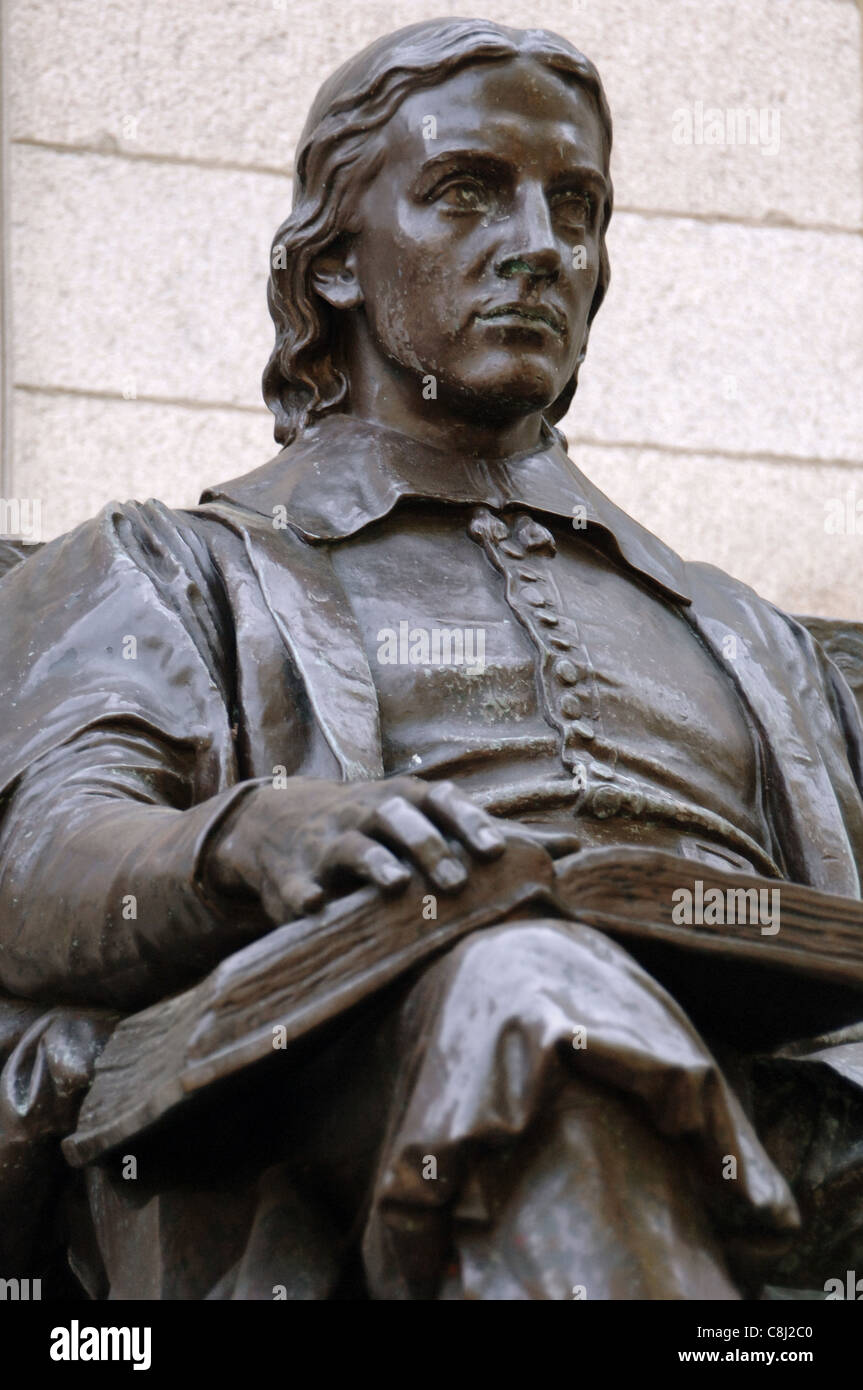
(415, 649)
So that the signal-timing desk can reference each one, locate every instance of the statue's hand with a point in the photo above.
(293, 848)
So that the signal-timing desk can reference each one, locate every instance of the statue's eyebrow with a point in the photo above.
(581, 174)
(483, 162)
(470, 161)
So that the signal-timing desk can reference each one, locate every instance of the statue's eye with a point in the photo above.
(574, 209)
(465, 195)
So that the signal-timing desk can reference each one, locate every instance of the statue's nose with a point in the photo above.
(535, 265)
(533, 248)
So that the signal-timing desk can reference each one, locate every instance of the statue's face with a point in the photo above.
(478, 253)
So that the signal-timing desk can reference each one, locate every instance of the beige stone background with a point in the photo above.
(147, 162)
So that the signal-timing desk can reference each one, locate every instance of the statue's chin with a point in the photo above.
(505, 385)
(501, 403)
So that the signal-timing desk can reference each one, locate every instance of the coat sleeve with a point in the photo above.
(116, 763)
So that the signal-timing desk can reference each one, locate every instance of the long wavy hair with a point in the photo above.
(337, 156)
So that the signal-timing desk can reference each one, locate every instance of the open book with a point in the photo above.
(307, 973)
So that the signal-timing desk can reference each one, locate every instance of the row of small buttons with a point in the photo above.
(568, 687)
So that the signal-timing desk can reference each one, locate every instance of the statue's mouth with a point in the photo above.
(531, 312)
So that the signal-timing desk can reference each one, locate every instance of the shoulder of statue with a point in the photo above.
(709, 584)
(307, 465)
(721, 597)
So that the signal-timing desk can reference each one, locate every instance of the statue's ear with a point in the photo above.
(334, 276)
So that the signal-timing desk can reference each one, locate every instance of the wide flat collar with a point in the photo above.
(345, 473)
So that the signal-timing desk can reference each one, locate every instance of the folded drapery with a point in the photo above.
(560, 1017)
